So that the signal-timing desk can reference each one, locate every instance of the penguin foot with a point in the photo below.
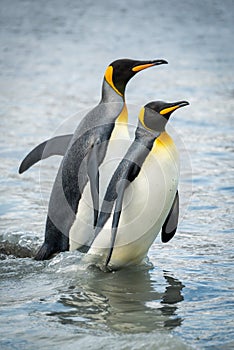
(44, 253)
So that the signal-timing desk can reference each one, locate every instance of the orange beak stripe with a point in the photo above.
(142, 66)
(169, 109)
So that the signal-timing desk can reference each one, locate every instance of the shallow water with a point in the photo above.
(52, 61)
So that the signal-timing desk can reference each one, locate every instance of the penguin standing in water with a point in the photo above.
(142, 196)
(84, 153)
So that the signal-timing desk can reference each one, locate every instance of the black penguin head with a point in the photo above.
(119, 72)
(155, 115)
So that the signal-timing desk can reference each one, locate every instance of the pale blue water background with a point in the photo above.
(53, 55)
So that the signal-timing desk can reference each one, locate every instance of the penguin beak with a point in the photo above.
(181, 104)
(146, 64)
(173, 106)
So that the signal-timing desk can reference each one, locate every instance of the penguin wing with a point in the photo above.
(55, 146)
(130, 174)
(93, 174)
(170, 225)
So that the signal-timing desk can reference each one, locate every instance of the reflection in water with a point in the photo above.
(126, 301)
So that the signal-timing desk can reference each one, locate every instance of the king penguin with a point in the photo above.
(86, 150)
(142, 197)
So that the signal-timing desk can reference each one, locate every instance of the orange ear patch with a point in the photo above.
(108, 77)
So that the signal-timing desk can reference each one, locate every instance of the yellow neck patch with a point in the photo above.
(123, 117)
(163, 143)
(108, 77)
(121, 126)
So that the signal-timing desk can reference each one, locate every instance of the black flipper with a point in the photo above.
(56, 146)
(171, 222)
(122, 185)
(93, 174)
(130, 175)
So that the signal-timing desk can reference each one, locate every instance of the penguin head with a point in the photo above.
(155, 115)
(119, 72)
